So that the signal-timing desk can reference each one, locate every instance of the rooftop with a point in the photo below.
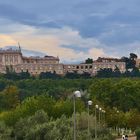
(10, 50)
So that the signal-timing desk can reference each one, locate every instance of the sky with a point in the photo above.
(72, 29)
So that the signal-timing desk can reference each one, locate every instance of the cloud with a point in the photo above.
(126, 49)
(72, 29)
(55, 42)
(16, 14)
(6, 40)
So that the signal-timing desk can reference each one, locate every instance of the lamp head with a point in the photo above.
(77, 94)
(97, 106)
(90, 102)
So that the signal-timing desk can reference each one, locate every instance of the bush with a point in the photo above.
(138, 133)
(5, 132)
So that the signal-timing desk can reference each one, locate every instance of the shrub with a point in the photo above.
(138, 133)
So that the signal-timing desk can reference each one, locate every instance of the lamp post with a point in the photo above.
(117, 127)
(103, 116)
(100, 113)
(77, 94)
(89, 104)
(96, 107)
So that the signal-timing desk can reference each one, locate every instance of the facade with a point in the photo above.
(95, 67)
(78, 68)
(111, 65)
(15, 61)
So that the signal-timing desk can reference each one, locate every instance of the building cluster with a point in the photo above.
(14, 60)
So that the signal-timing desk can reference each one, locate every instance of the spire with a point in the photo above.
(19, 46)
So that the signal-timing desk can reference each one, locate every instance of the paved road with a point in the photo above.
(131, 138)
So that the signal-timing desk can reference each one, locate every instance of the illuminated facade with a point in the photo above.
(14, 60)
(93, 68)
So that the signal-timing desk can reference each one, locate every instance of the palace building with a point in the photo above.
(100, 63)
(13, 60)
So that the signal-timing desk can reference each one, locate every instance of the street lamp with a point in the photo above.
(96, 107)
(89, 104)
(117, 126)
(103, 116)
(77, 94)
(100, 113)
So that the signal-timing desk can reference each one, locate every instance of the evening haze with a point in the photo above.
(72, 29)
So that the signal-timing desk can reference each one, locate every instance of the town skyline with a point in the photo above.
(75, 30)
(32, 53)
(13, 60)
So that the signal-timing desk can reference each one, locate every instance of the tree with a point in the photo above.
(133, 56)
(133, 119)
(135, 72)
(71, 75)
(131, 61)
(49, 75)
(86, 75)
(106, 72)
(24, 75)
(126, 60)
(40, 127)
(116, 72)
(9, 98)
(89, 61)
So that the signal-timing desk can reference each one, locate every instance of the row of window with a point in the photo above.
(38, 72)
(80, 67)
(41, 62)
(109, 65)
(120, 66)
(38, 68)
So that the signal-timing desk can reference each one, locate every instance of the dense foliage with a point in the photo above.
(39, 108)
(138, 133)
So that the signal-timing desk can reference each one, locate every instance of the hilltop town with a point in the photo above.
(15, 61)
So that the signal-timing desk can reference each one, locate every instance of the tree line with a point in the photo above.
(23, 98)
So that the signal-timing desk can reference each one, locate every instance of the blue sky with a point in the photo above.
(72, 29)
